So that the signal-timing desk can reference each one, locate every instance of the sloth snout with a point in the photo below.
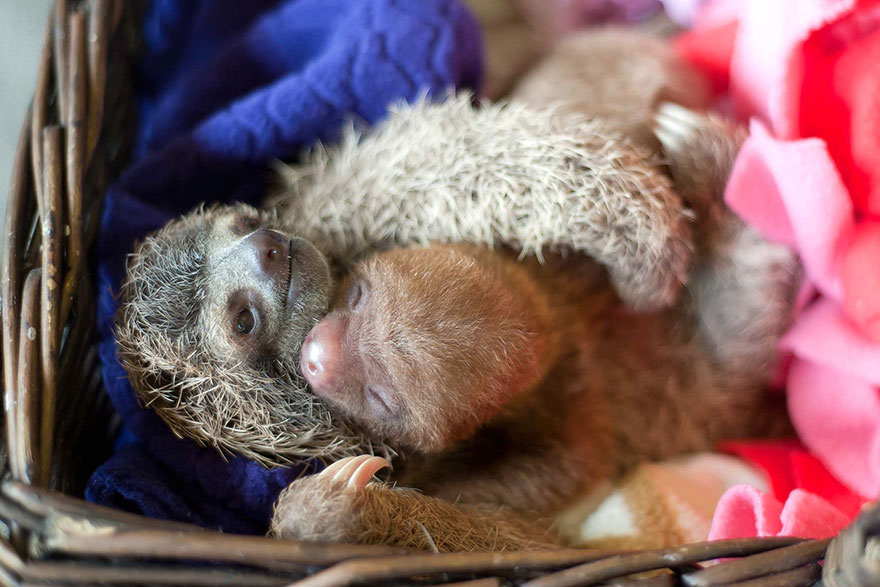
(273, 253)
(321, 357)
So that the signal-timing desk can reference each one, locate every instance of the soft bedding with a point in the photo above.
(806, 73)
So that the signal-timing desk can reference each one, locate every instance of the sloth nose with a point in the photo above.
(273, 252)
(321, 356)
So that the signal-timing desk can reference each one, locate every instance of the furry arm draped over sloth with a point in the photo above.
(535, 179)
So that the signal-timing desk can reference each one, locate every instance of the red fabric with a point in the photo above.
(791, 192)
(710, 50)
(860, 275)
(806, 500)
(809, 176)
(839, 95)
(808, 72)
(744, 511)
(771, 458)
(788, 466)
(837, 416)
(810, 474)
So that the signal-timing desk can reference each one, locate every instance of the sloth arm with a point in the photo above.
(592, 193)
(639, 233)
(341, 504)
(533, 480)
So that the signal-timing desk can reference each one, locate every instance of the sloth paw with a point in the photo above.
(674, 125)
(330, 506)
(700, 150)
(354, 472)
(690, 138)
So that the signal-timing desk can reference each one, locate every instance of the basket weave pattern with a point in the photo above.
(59, 424)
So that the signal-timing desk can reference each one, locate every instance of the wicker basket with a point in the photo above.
(59, 422)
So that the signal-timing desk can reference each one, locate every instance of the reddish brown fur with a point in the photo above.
(612, 387)
(426, 315)
(588, 389)
(591, 389)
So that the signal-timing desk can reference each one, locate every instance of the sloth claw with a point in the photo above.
(699, 149)
(673, 124)
(365, 471)
(355, 472)
(343, 467)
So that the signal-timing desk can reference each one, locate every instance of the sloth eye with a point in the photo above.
(245, 321)
(356, 294)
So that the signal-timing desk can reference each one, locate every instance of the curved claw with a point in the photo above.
(356, 472)
(365, 471)
(350, 467)
(336, 466)
(670, 111)
(672, 123)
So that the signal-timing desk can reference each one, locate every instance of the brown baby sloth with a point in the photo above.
(511, 387)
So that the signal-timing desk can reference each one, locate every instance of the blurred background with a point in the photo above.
(22, 25)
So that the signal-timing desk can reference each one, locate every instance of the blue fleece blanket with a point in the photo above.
(226, 87)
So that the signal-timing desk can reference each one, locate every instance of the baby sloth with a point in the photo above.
(518, 384)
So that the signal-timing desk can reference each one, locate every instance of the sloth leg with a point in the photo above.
(342, 504)
(743, 293)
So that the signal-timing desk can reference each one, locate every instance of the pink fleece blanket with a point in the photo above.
(807, 74)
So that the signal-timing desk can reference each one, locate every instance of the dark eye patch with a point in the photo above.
(243, 311)
(245, 321)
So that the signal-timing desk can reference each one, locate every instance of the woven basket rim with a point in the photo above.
(67, 154)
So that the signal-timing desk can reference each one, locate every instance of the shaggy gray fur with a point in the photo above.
(637, 73)
(533, 179)
(263, 412)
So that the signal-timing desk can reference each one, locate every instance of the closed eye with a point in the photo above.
(379, 399)
(356, 294)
